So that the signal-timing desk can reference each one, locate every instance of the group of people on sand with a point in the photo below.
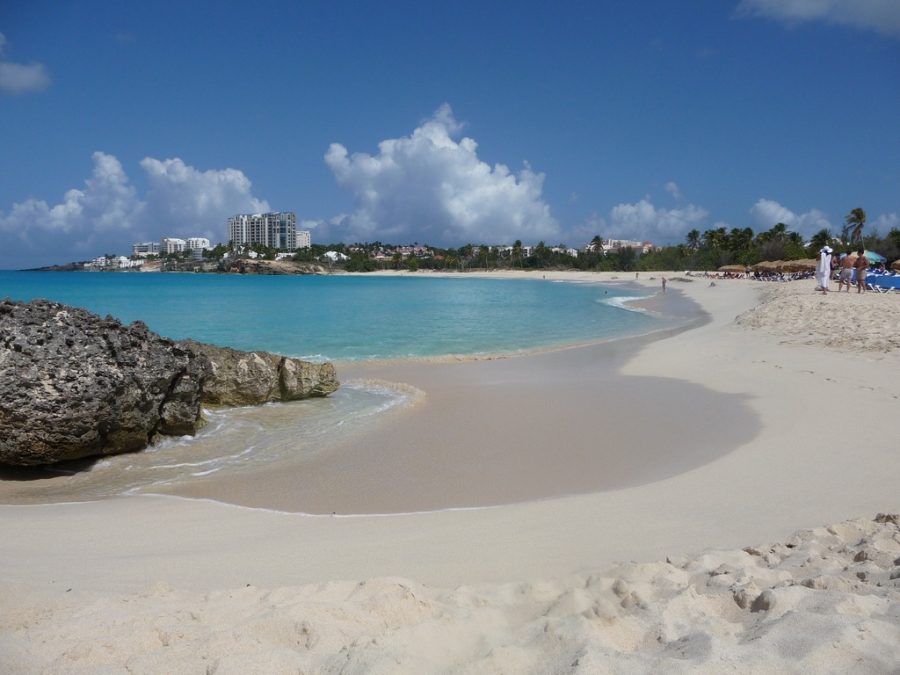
(769, 275)
(826, 263)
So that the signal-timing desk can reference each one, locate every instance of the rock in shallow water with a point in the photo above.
(73, 384)
(249, 378)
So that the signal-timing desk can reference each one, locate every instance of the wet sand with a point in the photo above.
(508, 430)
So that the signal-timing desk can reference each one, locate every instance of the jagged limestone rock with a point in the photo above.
(73, 384)
(249, 378)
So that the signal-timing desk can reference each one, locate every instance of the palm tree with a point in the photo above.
(596, 244)
(740, 239)
(483, 253)
(540, 251)
(693, 239)
(466, 255)
(820, 239)
(778, 232)
(517, 251)
(856, 220)
(714, 238)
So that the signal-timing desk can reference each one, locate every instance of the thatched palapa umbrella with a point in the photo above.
(734, 269)
(803, 265)
(770, 266)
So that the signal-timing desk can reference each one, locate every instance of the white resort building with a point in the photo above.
(639, 246)
(112, 262)
(195, 243)
(172, 245)
(303, 239)
(145, 248)
(275, 230)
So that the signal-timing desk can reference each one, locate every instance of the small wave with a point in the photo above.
(622, 302)
(184, 464)
(315, 358)
(204, 473)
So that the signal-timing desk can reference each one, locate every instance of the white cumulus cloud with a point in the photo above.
(431, 188)
(767, 213)
(643, 221)
(107, 215)
(673, 190)
(196, 203)
(16, 78)
(885, 223)
(106, 202)
(881, 16)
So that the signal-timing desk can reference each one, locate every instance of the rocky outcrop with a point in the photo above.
(73, 384)
(250, 266)
(249, 378)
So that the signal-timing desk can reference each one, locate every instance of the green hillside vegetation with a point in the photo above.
(700, 251)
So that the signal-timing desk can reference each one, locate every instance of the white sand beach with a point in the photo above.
(697, 570)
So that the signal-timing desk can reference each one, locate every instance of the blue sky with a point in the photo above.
(464, 122)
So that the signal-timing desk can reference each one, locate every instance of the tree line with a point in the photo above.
(708, 250)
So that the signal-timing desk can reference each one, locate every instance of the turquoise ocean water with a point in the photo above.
(339, 318)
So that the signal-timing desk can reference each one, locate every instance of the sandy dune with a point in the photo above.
(533, 587)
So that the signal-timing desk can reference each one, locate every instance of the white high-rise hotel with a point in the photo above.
(275, 230)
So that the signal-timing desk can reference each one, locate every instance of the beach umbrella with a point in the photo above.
(738, 269)
(800, 265)
(803, 265)
(871, 255)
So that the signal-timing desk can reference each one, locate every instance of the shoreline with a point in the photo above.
(805, 467)
(254, 487)
(733, 500)
(481, 435)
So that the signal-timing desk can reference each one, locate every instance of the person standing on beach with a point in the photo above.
(664, 284)
(823, 268)
(846, 272)
(862, 266)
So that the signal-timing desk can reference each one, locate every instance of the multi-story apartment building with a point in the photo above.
(195, 243)
(616, 244)
(172, 245)
(145, 248)
(303, 239)
(275, 230)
